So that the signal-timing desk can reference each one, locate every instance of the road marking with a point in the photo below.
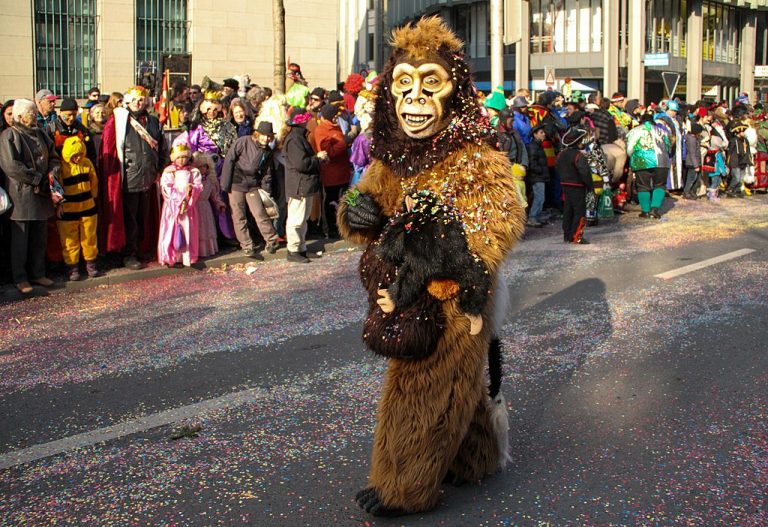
(702, 264)
(142, 424)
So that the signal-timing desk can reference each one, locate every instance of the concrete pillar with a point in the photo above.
(116, 42)
(610, 47)
(17, 53)
(497, 46)
(747, 60)
(523, 49)
(636, 51)
(694, 60)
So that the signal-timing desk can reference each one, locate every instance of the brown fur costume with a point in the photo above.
(434, 417)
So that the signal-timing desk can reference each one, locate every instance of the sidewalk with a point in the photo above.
(673, 210)
(228, 256)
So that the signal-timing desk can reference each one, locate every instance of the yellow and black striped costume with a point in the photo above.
(78, 220)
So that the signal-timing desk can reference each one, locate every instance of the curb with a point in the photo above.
(9, 293)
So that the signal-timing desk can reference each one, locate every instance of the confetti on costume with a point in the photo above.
(431, 138)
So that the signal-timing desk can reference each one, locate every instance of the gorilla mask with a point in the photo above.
(422, 92)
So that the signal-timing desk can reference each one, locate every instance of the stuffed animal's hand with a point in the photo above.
(362, 210)
(475, 324)
(385, 302)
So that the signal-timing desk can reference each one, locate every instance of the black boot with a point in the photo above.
(296, 258)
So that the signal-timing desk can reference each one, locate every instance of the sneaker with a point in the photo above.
(534, 223)
(130, 262)
(74, 273)
(44, 281)
(252, 253)
(655, 214)
(310, 255)
(296, 258)
(581, 241)
(272, 248)
(93, 271)
(644, 215)
(24, 288)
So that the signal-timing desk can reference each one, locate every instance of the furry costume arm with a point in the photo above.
(494, 218)
(381, 187)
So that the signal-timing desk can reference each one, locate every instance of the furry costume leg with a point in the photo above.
(489, 430)
(418, 438)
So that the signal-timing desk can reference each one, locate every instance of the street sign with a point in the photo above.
(549, 75)
(656, 59)
(761, 71)
(671, 79)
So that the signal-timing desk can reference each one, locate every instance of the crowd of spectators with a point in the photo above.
(583, 158)
(127, 178)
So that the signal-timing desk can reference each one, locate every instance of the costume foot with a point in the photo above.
(368, 500)
(453, 479)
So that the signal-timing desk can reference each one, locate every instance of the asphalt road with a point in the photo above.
(633, 400)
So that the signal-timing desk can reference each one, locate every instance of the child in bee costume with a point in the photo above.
(77, 219)
(436, 321)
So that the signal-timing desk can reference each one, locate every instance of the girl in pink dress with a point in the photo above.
(208, 203)
(180, 184)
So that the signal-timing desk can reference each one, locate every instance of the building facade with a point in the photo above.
(70, 46)
(616, 45)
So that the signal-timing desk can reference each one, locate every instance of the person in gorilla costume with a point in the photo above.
(434, 321)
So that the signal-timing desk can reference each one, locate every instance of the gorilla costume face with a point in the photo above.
(422, 94)
(426, 105)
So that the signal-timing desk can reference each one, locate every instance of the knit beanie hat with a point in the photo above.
(68, 105)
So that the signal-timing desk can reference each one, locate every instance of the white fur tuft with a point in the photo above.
(500, 421)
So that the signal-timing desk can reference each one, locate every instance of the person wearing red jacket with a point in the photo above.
(337, 171)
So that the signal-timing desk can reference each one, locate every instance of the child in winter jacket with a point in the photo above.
(692, 161)
(77, 219)
(738, 159)
(537, 174)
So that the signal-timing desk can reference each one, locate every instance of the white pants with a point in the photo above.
(296, 223)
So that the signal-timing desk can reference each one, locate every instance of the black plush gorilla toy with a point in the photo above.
(426, 243)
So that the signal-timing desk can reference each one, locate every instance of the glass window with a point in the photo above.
(537, 27)
(597, 25)
(65, 46)
(570, 25)
(584, 19)
(161, 28)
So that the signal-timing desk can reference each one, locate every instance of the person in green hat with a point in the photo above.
(495, 103)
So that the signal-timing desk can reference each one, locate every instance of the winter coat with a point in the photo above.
(573, 167)
(605, 126)
(27, 155)
(302, 167)
(337, 171)
(247, 166)
(522, 125)
(693, 150)
(538, 171)
(64, 132)
(511, 143)
(647, 147)
(738, 153)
